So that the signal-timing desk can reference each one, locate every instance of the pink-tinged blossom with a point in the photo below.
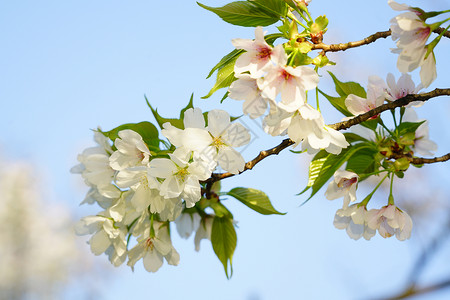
(375, 97)
(131, 151)
(411, 34)
(292, 83)
(258, 56)
(402, 87)
(354, 220)
(246, 88)
(154, 249)
(308, 127)
(389, 221)
(422, 143)
(344, 184)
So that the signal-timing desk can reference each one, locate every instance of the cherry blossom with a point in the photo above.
(215, 144)
(131, 151)
(375, 97)
(258, 56)
(354, 220)
(153, 249)
(187, 223)
(246, 88)
(390, 220)
(308, 127)
(180, 176)
(344, 184)
(291, 82)
(422, 143)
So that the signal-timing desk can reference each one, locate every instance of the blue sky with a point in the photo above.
(70, 66)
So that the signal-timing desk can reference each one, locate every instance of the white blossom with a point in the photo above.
(187, 223)
(354, 220)
(153, 249)
(246, 88)
(390, 220)
(308, 127)
(131, 151)
(344, 184)
(215, 144)
(180, 176)
(422, 143)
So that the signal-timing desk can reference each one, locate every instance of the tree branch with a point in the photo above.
(368, 40)
(344, 125)
(250, 164)
(342, 47)
(391, 105)
(413, 291)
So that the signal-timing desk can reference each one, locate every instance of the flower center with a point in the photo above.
(149, 244)
(182, 173)
(345, 183)
(264, 53)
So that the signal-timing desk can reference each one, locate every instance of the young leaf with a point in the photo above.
(223, 240)
(338, 103)
(407, 127)
(255, 199)
(175, 122)
(230, 57)
(275, 7)
(225, 76)
(243, 13)
(147, 131)
(363, 161)
(346, 88)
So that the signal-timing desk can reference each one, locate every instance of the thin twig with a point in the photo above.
(368, 40)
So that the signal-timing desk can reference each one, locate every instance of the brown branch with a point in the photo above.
(368, 40)
(422, 160)
(344, 125)
(391, 105)
(250, 164)
(342, 47)
(413, 291)
(439, 31)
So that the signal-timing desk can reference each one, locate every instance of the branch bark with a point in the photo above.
(391, 105)
(368, 40)
(344, 125)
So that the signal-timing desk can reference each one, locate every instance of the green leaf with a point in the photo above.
(255, 199)
(230, 57)
(275, 7)
(243, 13)
(147, 130)
(353, 137)
(324, 165)
(338, 103)
(223, 240)
(225, 76)
(322, 23)
(346, 88)
(408, 127)
(363, 161)
(175, 122)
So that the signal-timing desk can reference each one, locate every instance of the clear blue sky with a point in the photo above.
(69, 66)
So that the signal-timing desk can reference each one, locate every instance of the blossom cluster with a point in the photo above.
(142, 191)
(263, 74)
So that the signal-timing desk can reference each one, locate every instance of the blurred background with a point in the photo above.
(67, 67)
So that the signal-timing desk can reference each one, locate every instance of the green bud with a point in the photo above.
(401, 164)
